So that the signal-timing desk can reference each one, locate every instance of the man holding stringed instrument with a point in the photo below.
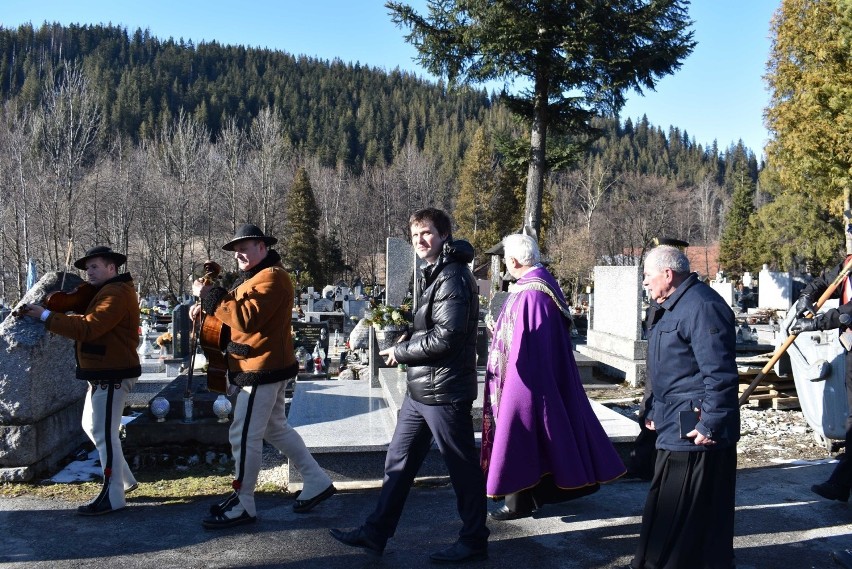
(105, 329)
(260, 359)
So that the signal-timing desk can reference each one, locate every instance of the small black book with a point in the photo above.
(687, 421)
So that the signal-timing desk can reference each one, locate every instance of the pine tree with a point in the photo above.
(810, 109)
(731, 247)
(300, 244)
(597, 49)
(476, 195)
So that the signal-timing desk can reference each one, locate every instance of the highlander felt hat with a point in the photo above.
(249, 231)
(100, 251)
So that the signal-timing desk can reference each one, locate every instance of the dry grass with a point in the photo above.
(166, 486)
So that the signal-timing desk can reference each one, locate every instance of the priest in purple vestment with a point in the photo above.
(541, 440)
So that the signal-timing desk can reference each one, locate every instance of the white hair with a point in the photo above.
(521, 247)
(667, 257)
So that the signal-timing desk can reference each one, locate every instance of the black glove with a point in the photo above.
(805, 307)
(805, 325)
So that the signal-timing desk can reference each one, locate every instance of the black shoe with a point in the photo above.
(358, 538)
(831, 491)
(504, 513)
(97, 508)
(843, 558)
(302, 506)
(221, 521)
(459, 553)
(218, 509)
(638, 475)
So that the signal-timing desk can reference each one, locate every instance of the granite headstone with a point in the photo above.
(399, 270)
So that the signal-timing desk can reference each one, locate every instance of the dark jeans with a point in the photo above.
(451, 426)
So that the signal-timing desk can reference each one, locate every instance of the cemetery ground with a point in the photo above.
(779, 522)
(769, 438)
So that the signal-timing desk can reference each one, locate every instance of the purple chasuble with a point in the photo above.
(543, 422)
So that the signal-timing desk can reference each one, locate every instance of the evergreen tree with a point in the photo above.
(579, 58)
(810, 109)
(300, 244)
(732, 245)
(473, 206)
(331, 258)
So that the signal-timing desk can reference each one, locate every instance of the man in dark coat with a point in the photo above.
(640, 461)
(688, 521)
(442, 385)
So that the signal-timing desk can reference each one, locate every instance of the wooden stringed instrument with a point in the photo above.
(213, 336)
(76, 300)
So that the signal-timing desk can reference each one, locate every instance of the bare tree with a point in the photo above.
(707, 205)
(182, 148)
(232, 149)
(593, 183)
(269, 149)
(68, 127)
(16, 176)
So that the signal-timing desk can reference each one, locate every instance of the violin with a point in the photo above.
(76, 300)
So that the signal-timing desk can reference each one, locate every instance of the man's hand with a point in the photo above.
(194, 311)
(200, 288)
(804, 325)
(805, 307)
(387, 353)
(699, 438)
(33, 310)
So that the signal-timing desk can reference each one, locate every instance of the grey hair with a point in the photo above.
(523, 248)
(667, 257)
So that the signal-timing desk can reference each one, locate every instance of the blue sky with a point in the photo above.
(718, 94)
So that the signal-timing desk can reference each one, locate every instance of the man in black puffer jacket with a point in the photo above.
(442, 385)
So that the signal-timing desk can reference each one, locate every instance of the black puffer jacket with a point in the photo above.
(441, 354)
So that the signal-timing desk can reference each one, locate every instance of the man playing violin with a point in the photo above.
(261, 360)
(106, 336)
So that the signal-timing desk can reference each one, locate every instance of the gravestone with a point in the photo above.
(359, 336)
(481, 345)
(724, 287)
(399, 269)
(182, 326)
(775, 289)
(321, 305)
(306, 335)
(374, 360)
(357, 288)
(355, 308)
(614, 338)
(498, 299)
(41, 401)
(335, 321)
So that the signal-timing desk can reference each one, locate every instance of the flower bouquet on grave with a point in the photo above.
(391, 323)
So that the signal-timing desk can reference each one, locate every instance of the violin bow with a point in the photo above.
(67, 262)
